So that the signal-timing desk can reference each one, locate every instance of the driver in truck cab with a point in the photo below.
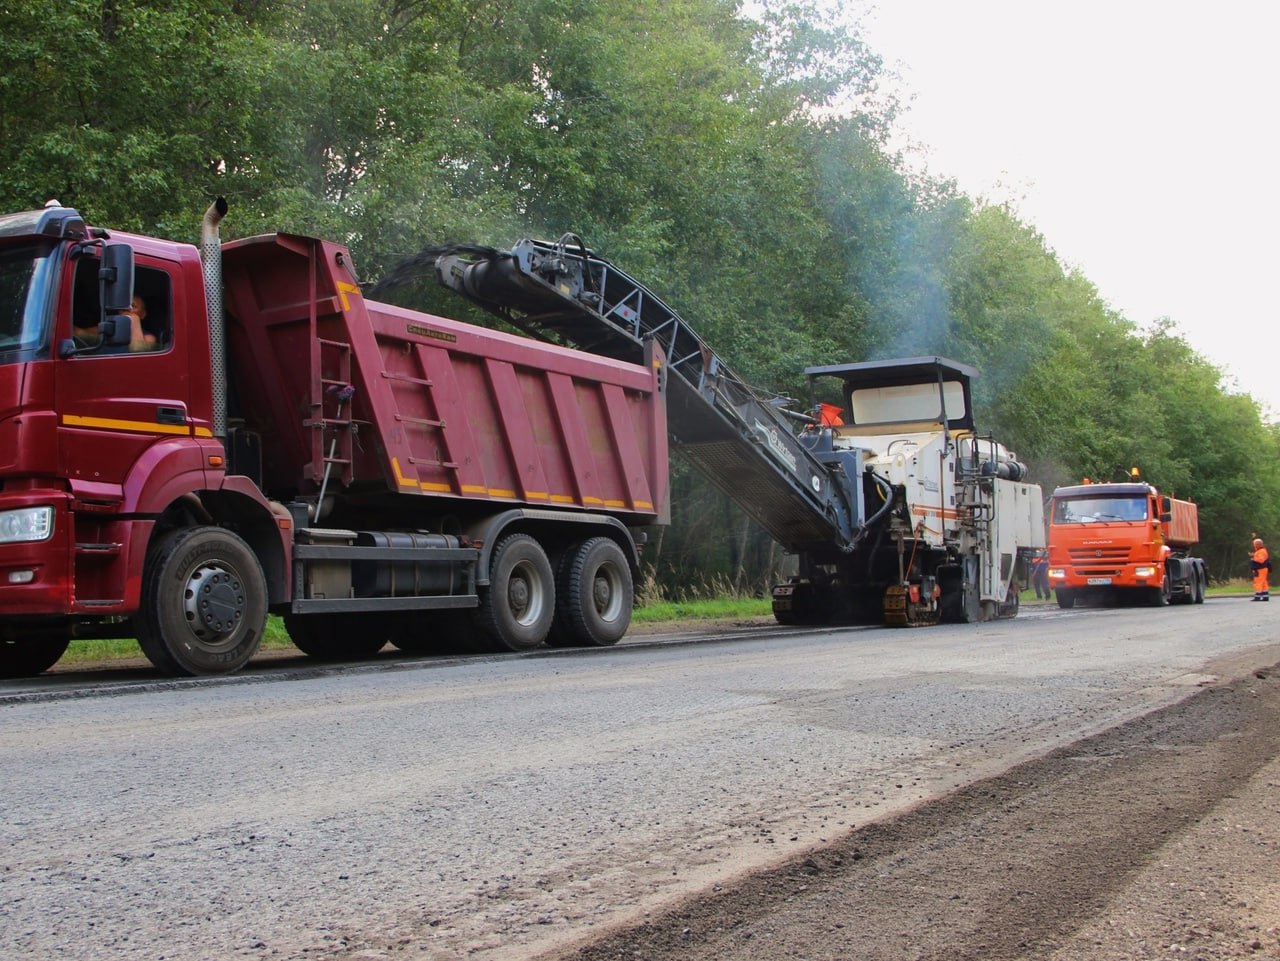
(139, 337)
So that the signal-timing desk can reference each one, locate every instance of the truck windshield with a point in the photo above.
(1090, 510)
(23, 300)
(912, 402)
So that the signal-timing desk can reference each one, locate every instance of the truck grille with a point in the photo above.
(1099, 561)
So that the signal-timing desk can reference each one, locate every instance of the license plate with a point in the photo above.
(1098, 581)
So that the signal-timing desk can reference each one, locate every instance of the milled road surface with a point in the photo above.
(1157, 839)
(500, 809)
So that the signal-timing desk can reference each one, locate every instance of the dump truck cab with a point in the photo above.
(1109, 542)
(101, 439)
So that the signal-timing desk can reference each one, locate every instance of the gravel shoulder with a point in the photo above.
(1156, 839)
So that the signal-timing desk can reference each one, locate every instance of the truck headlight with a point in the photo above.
(27, 524)
(1058, 572)
(1144, 571)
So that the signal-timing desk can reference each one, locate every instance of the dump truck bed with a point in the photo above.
(396, 402)
(1183, 529)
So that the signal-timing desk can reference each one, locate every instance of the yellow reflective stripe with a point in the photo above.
(429, 487)
(345, 288)
(137, 426)
(400, 478)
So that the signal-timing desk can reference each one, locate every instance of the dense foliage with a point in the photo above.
(738, 166)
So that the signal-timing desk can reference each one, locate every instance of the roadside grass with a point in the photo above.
(651, 611)
(275, 636)
(123, 648)
(702, 609)
(1232, 588)
(1237, 585)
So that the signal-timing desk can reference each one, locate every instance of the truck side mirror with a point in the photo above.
(116, 278)
(1166, 510)
(116, 330)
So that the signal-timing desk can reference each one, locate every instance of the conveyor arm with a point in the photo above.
(740, 441)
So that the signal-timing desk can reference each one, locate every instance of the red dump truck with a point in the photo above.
(1124, 541)
(371, 473)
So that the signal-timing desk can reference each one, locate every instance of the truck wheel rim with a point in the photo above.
(214, 602)
(525, 594)
(606, 593)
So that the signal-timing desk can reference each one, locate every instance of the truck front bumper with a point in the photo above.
(1131, 575)
(35, 563)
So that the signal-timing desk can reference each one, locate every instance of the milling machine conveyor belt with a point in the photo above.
(741, 442)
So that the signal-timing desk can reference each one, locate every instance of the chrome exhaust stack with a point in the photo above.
(211, 261)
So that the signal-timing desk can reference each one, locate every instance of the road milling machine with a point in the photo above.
(897, 510)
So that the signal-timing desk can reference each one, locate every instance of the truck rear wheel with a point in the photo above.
(517, 607)
(204, 603)
(594, 594)
(336, 637)
(29, 656)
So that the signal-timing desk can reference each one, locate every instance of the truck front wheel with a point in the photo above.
(594, 593)
(204, 603)
(29, 656)
(1159, 596)
(517, 607)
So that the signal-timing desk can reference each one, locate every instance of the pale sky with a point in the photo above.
(1138, 137)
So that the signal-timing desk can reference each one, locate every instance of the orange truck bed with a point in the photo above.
(1183, 528)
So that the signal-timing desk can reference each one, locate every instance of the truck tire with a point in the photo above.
(1159, 596)
(204, 603)
(810, 604)
(960, 601)
(1012, 602)
(27, 657)
(1201, 585)
(517, 607)
(1066, 598)
(336, 637)
(594, 594)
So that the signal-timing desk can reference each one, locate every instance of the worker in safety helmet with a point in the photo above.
(1260, 564)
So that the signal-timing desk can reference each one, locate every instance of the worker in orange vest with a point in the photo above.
(828, 415)
(1260, 564)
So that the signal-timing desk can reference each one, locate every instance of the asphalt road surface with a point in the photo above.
(651, 800)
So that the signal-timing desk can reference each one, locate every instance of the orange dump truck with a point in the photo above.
(1114, 542)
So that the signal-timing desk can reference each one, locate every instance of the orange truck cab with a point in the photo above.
(1110, 543)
